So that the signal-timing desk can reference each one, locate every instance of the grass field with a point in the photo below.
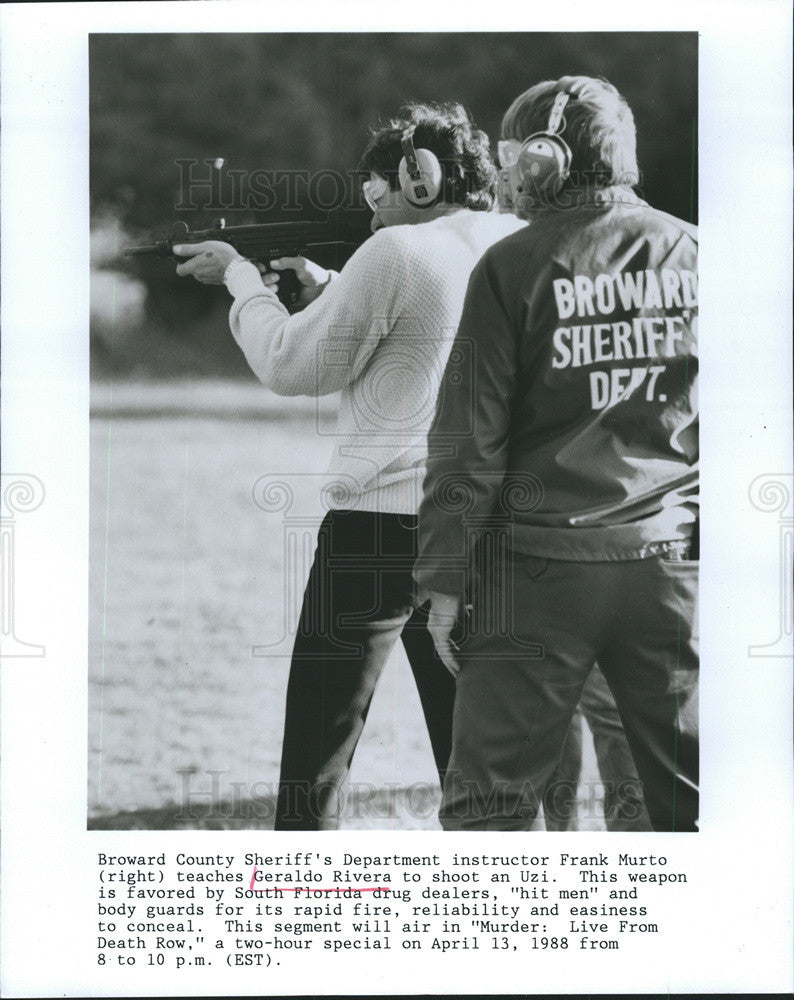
(187, 577)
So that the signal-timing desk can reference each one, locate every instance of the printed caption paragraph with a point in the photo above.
(185, 911)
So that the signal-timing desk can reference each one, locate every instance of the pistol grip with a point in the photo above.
(288, 288)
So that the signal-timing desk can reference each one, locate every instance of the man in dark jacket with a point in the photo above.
(561, 494)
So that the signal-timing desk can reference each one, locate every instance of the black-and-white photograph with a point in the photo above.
(394, 432)
(354, 480)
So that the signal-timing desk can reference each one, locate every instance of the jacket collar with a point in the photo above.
(591, 196)
(618, 194)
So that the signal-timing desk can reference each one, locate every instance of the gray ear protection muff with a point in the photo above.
(419, 172)
(544, 162)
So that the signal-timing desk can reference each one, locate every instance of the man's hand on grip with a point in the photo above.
(311, 277)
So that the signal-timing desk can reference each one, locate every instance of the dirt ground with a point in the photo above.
(204, 507)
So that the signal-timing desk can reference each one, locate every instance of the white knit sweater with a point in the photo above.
(381, 332)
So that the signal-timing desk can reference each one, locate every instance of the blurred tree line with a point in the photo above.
(305, 102)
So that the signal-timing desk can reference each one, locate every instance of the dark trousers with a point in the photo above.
(359, 600)
(514, 703)
(623, 804)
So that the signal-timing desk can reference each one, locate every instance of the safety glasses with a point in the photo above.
(374, 189)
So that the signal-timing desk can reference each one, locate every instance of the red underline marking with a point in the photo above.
(315, 888)
(334, 888)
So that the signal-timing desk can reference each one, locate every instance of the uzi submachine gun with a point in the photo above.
(320, 240)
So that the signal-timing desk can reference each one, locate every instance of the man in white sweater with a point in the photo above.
(380, 332)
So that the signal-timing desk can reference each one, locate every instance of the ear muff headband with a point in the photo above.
(419, 172)
(556, 122)
(544, 162)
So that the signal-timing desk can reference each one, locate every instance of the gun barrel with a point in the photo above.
(144, 251)
(256, 242)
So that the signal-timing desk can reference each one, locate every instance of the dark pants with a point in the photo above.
(623, 804)
(359, 600)
(514, 705)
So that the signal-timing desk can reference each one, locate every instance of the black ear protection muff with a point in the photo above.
(544, 162)
(419, 172)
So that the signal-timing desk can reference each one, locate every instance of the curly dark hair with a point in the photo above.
(463, 150)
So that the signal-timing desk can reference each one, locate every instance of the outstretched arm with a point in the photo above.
(327, 345)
